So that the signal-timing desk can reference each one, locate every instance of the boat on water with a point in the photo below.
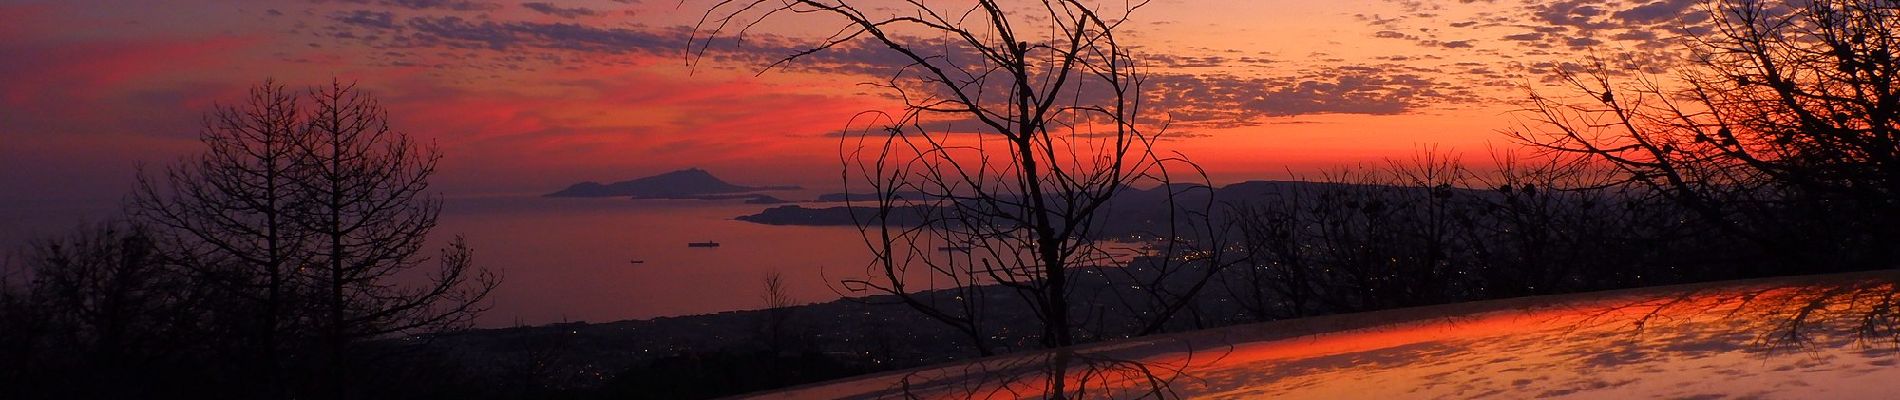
(703, 244)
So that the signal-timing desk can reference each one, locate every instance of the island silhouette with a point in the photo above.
(690, 183)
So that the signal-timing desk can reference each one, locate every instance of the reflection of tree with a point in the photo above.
(1085, 372)
(1781, 312)
(1701, 331)
(1783, 143)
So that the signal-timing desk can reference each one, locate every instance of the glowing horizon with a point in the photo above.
(528, 96)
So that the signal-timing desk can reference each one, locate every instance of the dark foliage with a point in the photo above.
(259, 268)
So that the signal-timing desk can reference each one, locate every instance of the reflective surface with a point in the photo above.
(1825, 337)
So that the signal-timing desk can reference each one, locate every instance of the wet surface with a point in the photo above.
(1820, 337)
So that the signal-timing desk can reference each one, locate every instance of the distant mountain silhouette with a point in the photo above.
(686, 183)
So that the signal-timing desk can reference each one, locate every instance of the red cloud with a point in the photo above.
(45, 71)
(579, 123)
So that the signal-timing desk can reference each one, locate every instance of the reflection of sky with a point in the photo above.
(1703, 343)
(528, 96)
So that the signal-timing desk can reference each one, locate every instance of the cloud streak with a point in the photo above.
(558, 11)
(1210, 99)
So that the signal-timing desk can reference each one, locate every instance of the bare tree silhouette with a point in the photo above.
(1782, 134)
(369, 215)
(777, 327)
(229, 215)
(1011, 145)
(1019, 128)
(302, 219)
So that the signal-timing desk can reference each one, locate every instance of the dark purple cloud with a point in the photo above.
(440, 5)
(1191, 99)
(1226, 100)
(1526, 37)
(1393, 35)
(558, 11)
(1659, 12)
(450, 5)
(1639, 35)
(1585, 14)
(381, 20)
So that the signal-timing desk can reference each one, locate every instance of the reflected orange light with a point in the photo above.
(1651, 342)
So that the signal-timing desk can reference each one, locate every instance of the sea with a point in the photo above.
(609, 259)
(590, 259)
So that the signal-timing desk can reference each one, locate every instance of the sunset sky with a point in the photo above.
(528, 97)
